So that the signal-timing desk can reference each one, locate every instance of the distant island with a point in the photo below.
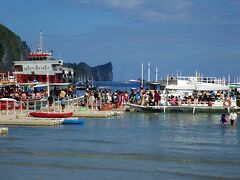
(98, 73)
(12, 48)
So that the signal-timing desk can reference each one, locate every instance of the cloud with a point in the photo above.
(154, 10)
(226, 12)
(124, 4)
(171, 10)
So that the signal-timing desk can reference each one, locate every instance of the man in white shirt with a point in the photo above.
(233, 117)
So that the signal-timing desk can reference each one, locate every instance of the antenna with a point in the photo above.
(156, 78)
(40, 43)
(142, 75)
(148, 71)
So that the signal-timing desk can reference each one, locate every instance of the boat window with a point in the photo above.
(18, 68)
(54, 66)
(44, 78)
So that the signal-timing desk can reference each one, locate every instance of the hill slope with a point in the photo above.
(11, 48)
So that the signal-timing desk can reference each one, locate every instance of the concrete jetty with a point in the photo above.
(23, 120)
(96, 114)
(31, 122)
(21, 117)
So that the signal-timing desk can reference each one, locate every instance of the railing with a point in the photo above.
(212, 80)
(24, 106)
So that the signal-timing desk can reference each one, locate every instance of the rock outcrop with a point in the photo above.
(97, 73)
(12, 48)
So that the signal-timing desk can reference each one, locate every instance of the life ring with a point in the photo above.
(227, 103)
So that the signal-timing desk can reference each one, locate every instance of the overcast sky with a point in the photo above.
(183, 35)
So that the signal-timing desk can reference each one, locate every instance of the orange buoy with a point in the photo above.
(227, 103)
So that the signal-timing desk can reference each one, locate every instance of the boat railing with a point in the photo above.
(211, 80)
(27, 105)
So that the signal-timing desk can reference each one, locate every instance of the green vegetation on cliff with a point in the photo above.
(11, 48)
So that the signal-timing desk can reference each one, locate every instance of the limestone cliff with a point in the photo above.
(98, 73)
(11, 49)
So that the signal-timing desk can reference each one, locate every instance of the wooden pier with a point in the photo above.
(20, 117)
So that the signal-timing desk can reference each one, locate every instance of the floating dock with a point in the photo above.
(31, 122)
(3, 130)
(96, 114)
(23, 120)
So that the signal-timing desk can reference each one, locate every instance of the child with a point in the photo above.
(63, 103)
(223, 119)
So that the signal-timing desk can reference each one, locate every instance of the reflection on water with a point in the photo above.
(134, 146)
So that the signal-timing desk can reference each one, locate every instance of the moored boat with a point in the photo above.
(73, 121)
(42, 67)
(86, 86)
(183, 108)
(8, 104)
(51, 114)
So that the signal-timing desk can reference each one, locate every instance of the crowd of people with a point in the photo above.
(117, 98)
(106, 97)
(154, 98)
(99, 98)
(32, 93)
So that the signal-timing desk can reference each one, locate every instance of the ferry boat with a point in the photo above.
(215, 95)
(40, 67)
(86, 86)
(195, 83)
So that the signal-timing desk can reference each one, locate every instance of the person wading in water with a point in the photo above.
(233, 117)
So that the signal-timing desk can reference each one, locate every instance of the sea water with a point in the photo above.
(112, 86)
(132, 146)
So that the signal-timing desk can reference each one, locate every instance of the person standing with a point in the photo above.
(233, 117)
(157, 98)
(63, 103)
(50, 101)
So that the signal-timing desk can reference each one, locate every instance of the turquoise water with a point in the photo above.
(134, 146)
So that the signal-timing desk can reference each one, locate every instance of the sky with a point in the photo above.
(174, 35)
